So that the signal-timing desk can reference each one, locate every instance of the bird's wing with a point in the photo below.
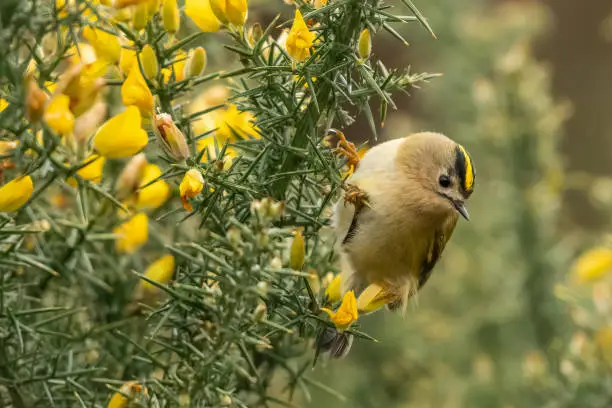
(440, 238)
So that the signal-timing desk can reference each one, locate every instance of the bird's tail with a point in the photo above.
(333, 343)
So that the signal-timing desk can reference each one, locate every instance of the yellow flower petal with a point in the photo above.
(106, 45)
(3, 104)
(191, 186)
(300, 40)
(155, 194)
(58, 115)
(122, 135)
(160, 271)
(334, 291)
(202, 15)
(178, 68)
(127, 60)
(373, 298)
(347, 312)
(132, 234)
(230, 11)
(15, 193)
(593, 265)
(128, 392)
(91, 172)
(135, 91)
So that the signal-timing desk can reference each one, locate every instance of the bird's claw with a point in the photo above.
(355, 195)
(346, 149)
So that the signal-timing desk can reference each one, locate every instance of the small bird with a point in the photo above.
(400, 208)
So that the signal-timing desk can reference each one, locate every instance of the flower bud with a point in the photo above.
(171, 16)
(35, 100)
(260, 312)
(262, 288)
(364, 48)
(148, 59)
(130, 176)
(297, 253)
(313, 280)
(225, 400)
(172, 139)
(234, 236)
(196, 62)
(140, 16)
(255, 34)
(230, 11)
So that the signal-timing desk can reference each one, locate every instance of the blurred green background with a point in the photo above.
(502, 322)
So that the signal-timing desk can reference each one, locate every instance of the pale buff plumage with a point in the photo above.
(402, 231)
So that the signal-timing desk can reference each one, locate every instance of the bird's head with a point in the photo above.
(442, 167)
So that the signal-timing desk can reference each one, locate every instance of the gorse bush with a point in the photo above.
(162, 237)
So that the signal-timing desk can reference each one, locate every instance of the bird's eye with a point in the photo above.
(444, 181)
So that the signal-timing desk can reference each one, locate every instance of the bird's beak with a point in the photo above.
(461, 209)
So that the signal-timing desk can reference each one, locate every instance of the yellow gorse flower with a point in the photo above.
(155, 194)
(91, 172)
(160, 271)
(132, 234)
(15, 193)
(3, 104)
(202, 15)
(122, 135)
(346, 313)
(592, 265)
(58, 115)
(129, 391)
(127, 3)
(191, 186)
(106, 45)
(300, 40)
(135, 91)
(333, 292)
(373, 298)
(364, 46)
(230, 11)
(171, 16)
(148, 59)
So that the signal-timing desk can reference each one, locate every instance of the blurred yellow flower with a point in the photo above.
(297, 251)
(127, 3)
(234, 125)
(122, 135)
(81, 53)
(132, 234)
(15, 193)
(140, 16)
(603, 340)
(160, 271)
(592, 265)
(82, 83)
(153, 195)
(3, 104)
(178, 68)
(333, 292)
(128, 392)
(346, 313)
(58, 115)
(191, 186)
(135, 91)
(7, 146)
(148, 59)
(230, 11)
(171, 17)
(373, 298)
(202, 15)
(300, 39)
(106, 45)
(91, 172)
(127, 60)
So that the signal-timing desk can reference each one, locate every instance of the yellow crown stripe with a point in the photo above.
(469, 170)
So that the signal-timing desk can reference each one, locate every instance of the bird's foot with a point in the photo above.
(346, 149)
(355, 195)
